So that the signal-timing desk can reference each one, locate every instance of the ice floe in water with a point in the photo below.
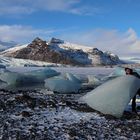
(113, 96)
(63, 84)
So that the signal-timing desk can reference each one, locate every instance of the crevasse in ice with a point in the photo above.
(113, 96)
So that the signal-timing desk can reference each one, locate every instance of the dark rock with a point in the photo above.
(25, 114)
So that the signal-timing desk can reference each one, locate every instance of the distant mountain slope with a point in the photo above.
(58, 51)
(5, 45)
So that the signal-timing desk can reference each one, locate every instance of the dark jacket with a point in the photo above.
(138, 76)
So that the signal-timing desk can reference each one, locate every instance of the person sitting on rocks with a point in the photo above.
(130, 71)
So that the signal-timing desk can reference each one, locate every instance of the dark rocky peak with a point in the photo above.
(37, 40)
(56, 41)
(37, 43)
(112, 56)
(95, 51)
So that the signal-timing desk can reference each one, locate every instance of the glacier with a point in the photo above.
(113, 96)
(14, 62)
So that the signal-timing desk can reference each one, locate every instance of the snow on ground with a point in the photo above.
(67, 45)
(13, 49)
(44, 115)
(34, 115)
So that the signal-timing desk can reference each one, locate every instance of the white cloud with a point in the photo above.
(21, 34)
(15, 7)
(122, 43)
(18, 7)
(56, 5)
(15, 10)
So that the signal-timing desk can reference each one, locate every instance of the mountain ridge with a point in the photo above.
(59, 51)
(6, 45)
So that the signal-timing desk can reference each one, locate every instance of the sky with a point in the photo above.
(109, 25)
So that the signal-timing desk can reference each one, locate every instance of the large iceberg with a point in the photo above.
(27, 79)
(113, 96)
(63, 84)
(9, 77)
(15, 79)
(118, 71)
(2, 84)
(42, 74)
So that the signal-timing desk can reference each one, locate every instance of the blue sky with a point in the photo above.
(106, 24)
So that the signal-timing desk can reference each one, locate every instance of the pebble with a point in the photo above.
(59, 117)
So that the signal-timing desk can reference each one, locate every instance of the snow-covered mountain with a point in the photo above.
(59, 51)
(5, 45)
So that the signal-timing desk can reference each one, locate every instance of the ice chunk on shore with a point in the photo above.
(26, 79)
(63, 84)
(18, 79)
(119, 71)
(72, 78)
(93, 80)
(2, 84)
(9, 77)
(113, 96)
(42, 74)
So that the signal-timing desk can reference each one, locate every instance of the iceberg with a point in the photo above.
(14, 79)
(119, 71)
(42, 74)
(9, 77)
(71, 77)
(137, 70)
(93, 80)
(34, 77)
(63, 84)
(2, 84)
(113, 96)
